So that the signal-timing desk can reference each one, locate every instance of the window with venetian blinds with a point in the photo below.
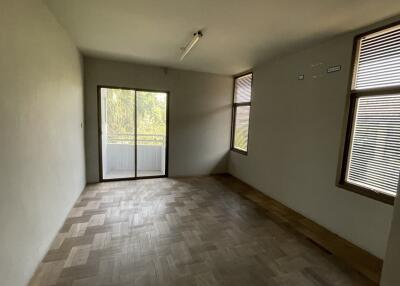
(241, 112)
(372, 156)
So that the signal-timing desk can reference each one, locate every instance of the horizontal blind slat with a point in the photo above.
(382, 43)
(376, 177)
(373, 179)
(391, 172)
(381, 35)
(386, 61)
(382, 157)
(379, 56)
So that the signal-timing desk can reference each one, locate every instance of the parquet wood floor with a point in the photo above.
(184, 231)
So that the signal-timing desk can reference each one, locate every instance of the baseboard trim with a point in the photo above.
(359, 259)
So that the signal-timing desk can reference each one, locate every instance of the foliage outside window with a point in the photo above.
(151, 116)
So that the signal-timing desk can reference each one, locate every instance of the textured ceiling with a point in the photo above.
(238, 34)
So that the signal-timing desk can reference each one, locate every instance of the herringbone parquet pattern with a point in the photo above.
(189, 231)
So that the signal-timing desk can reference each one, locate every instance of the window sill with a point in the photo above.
(384, 198)
(239, 151)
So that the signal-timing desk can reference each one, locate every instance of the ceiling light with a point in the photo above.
(190, 45)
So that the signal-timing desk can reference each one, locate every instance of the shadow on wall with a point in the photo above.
(210, 112)
(222, 164)
(205, 133)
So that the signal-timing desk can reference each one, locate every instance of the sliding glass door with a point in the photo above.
(151, 133)
(117, 133)
(133, 133)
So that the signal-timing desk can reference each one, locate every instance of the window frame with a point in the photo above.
(234, 110)
(352, 96)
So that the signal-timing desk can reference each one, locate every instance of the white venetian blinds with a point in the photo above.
(378, 60)
(374, 152)
(243, 88)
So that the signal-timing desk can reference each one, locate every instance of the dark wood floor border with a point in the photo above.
(357, 258)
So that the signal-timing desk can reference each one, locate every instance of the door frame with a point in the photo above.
(99, 141)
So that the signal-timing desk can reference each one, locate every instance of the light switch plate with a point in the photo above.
(334, 69)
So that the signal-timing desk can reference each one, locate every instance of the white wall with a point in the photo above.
(390, 274)
(295, 140)
(200, 113)
(42, 169)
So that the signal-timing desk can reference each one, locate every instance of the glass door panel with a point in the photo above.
(151, 133)
(117, 133)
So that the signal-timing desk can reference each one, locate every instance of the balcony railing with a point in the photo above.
(142, 139)
(119, 154)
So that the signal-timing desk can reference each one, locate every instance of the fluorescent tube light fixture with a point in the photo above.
(190, 45)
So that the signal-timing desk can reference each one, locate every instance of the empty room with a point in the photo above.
(199, 143)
